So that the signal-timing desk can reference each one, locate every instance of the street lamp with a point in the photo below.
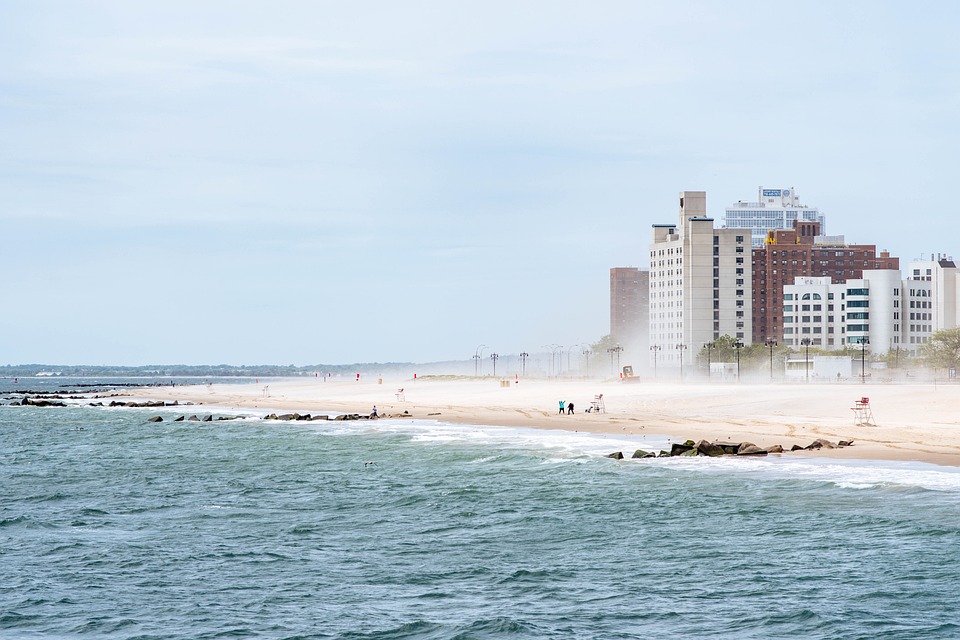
(655, 348)
(864, 341)
(738, 345)
(806, 358)
(476, 359)
(586, 362)
(523, 363)
(680, 348)
(710, 346)
(615, 350)
(494, 356)
(771, 344)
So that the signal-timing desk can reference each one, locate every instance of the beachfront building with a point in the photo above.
(630, 310)
(868, 311)
(803, 252)
(700, 285)
(774, 209)
(941, 272)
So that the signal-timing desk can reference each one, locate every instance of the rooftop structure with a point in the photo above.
(774, 209)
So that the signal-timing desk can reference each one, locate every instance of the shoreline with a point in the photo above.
(914, 422)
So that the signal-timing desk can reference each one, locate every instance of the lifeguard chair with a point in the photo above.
(862, 413)
(401, 397)
(597, 405)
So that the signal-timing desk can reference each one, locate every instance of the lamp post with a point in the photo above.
(615, 350)
(680, 348)
(864, 341)
(586, 362)
(523, 363)
(806, 357)
(771, 344)
(738, 345)
(710, 346)
(494, 356)
(476, 359)
(655, 348)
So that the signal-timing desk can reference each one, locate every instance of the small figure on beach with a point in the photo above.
(373, 414)
(563, 403)
(569, 408)
(358, 377)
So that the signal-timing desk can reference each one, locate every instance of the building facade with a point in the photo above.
(774, 209)
(700, 286)
(803, 252)
(874, 312)
(630, 310)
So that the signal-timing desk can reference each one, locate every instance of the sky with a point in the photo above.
(301, 182)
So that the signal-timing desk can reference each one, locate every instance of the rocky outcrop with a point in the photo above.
(616, 455)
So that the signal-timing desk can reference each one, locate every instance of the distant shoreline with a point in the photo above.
(914, 422)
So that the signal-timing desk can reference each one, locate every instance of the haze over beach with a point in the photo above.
(414, 209)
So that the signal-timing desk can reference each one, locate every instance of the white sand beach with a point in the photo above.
(912, 422)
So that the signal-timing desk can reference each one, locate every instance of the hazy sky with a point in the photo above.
(323, 182)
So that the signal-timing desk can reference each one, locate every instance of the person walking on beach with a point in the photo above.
(562, 404)
(569, 408)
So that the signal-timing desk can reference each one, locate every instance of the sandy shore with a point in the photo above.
(913, 422)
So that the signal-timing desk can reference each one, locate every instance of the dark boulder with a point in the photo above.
(640, 453)
(616, 455)
(193, 419)
(728, 447)
(774, 449)
(709, 449)
(180, 419)
(155, 419)
(677, 449)
(821, 443)
(752, 450)
(207, 418)
(845, 443)
(796, 447)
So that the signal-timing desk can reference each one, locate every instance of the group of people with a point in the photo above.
(568, 406)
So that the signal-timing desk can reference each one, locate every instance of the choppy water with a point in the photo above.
(279, 530)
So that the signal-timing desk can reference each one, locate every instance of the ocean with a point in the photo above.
(113, 527)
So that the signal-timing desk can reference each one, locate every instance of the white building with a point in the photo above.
(774, 209)
(942, 306)
(872, 310)
(700, 287)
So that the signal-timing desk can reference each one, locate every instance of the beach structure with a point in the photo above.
(700, 286)
(774, 209)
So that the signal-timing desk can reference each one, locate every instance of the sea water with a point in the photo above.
(113, 527)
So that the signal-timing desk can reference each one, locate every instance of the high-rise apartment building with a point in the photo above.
(942, 274)
(803, 252)
(630, 310)
(700, 286)
(774, 209)
(874, 312)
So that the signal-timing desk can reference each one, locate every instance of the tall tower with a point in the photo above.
(774, 209)
(630, 310)
(700, 287)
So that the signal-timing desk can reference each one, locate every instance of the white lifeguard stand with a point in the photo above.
(862, 413)
(597, 406)
(401, 397)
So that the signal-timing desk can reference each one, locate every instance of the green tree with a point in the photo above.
(943, 350)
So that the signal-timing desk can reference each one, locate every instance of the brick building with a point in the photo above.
(630, 309)
(802, 251)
